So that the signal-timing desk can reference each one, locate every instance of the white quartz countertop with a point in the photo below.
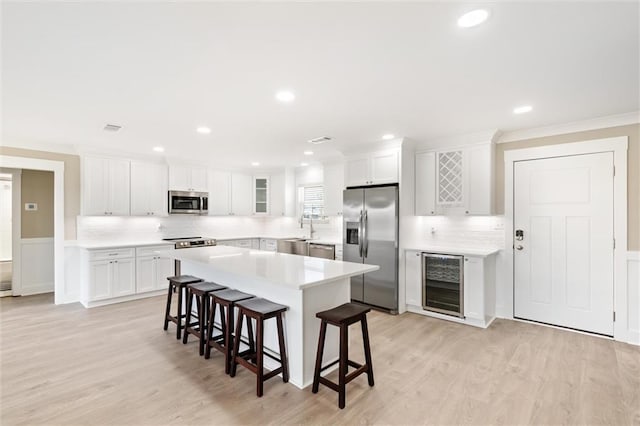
(459, 250)
(287, 270)
(266, 237)
(96, 245)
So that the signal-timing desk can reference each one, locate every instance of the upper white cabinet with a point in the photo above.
(261, 187)
(455, 181)
(333, 188)
(241, 199)
(277, 194)
(372, 169)
(219, 193)
(105, 186)
(149, 188)
(187, 178)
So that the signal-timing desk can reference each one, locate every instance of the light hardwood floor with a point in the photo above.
(66, 365)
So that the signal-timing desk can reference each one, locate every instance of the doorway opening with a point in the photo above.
(6, 233)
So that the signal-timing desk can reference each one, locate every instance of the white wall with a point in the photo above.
(633, 296)
(5, 219)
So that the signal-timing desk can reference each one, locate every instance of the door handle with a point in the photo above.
(365, 236)
(519, 247)
(360, 230)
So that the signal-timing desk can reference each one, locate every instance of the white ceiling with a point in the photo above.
(359, 70)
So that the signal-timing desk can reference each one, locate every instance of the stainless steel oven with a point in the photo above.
(443, 283)
(185, 202)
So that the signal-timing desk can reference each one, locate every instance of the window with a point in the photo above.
(311, 200)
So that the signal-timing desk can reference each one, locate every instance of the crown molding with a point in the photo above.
(572, 127)
(461, 140)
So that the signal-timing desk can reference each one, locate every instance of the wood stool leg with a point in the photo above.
(252, 346)
(316, 372)
(236, 344)
(212, 316)
(187, 318)
(259, 354)
(229, 343)
(179, 315)
(167, 311)
(283, 350)
(342, 370)
(202, 317)
(367, 349)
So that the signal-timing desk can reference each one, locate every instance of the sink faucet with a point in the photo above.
(311, 230)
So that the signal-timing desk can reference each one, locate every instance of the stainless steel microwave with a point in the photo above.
(185, 202)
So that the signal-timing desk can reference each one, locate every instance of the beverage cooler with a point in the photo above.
(443, 284)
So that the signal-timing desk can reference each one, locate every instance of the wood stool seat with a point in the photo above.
(343, 316)
(253, 359)
(225, 300)
(177, 283)
(201, 292)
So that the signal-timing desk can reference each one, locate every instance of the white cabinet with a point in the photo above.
(333, 188)
(152, 270)
(241, 199)
(479, 291)
(149, 189)
(372, 169)
(413, 277)
(111, 274)
(187, 178)
(268, 244)
(277, 194)
(260, 195)
(339, 252)
(455, 181)
(105, 186)
(219, 193)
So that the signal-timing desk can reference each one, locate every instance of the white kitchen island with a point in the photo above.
(306, 285)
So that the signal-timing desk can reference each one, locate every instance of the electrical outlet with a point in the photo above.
(31, 207)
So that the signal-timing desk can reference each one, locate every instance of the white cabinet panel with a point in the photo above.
(357, 171)
(474, 303)
(187, 178)
(333, 188)
(123, 277)
(149, 189)
(372, 169)
(268, 244)
(241, 199)
(413, 277)
(145, 274)
(426, 184)
(100, 279)
(105, 186)
(277, 194)
(219, 193)
(480, 179)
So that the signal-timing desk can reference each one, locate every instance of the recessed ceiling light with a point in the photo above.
(285, 96)
(203, 130)
(308, 153)
(388, 137)
(158, 149)
(473, 18)
(304, 164)
(522, 109)
(255, 163)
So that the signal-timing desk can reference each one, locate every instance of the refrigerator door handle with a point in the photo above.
(360, 230)
(365, 237)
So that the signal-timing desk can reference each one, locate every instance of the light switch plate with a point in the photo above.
(31, 206)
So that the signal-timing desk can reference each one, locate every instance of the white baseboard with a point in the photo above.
(38, 289)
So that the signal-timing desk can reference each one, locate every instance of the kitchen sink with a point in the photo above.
(294, 246)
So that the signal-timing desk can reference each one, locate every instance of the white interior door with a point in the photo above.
(563, 263)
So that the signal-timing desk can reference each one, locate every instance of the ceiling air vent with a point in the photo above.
(112, 128)
(321, 139)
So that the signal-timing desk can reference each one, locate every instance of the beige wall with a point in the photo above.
(71, 183)
(633, 169)
(36, 186)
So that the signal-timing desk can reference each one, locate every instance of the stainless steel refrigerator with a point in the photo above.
(370, 235)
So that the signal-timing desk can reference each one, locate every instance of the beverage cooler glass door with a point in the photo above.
(443, 283)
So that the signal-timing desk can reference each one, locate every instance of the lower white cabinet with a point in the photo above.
(268, 244)
(479, 288)
(339, 252)
(111, 274)
(152, 270)
(122, 273)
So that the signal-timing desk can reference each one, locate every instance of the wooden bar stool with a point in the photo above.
(226, 301)
(260, 310)
(343, 316)
(178, 283)
(201, 292)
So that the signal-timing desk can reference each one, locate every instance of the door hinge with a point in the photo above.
(614, 171)
(614, 243)
(614, 316)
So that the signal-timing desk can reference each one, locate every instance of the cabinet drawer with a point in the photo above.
(243, 243)
(271, 245)
(151, 250)
(116, 253)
